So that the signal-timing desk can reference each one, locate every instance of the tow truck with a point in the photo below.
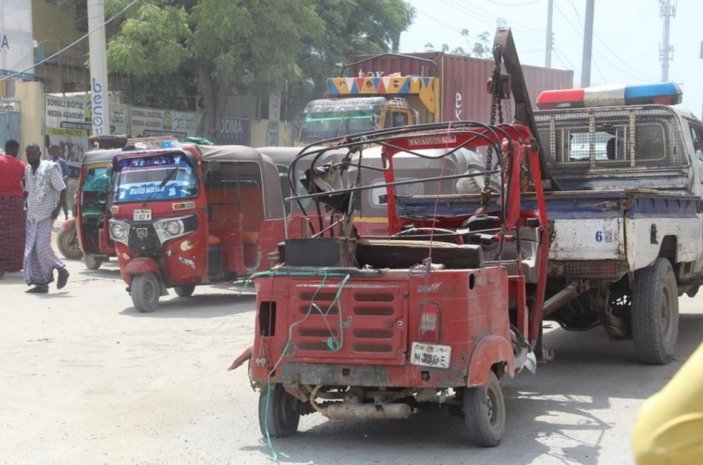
(441, 309)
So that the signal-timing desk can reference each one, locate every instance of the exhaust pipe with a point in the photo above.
(358, 411)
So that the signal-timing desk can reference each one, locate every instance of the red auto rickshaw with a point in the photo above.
(440, 309)
(92, 213)
(185, 214)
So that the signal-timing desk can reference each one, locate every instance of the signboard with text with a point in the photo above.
(155, 122)
(68, 124)
(233, 131)
(16, 40)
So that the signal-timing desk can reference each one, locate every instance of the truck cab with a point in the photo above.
(330, 118)
(626, 223)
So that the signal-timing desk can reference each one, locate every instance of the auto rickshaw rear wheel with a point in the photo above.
(279, 412)
(145, 289)
(184, 291)
(67, 242)
(92, 262)
(484, 413)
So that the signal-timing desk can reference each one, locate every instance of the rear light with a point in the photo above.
(428, 329)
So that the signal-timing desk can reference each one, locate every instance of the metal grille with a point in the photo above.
(607, 140)
(366, 324)
(589, 269)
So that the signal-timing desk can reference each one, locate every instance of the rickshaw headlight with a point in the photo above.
(170, 228)
(119, 231)
(174, 228)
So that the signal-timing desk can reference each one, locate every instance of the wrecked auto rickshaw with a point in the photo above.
(442, 307)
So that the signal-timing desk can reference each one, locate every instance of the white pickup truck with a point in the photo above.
(628, 216)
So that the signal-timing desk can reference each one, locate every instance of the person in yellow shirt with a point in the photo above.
(669, 427)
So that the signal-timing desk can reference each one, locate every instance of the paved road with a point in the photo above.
(86, 379)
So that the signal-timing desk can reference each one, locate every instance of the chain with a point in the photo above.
(496, 107)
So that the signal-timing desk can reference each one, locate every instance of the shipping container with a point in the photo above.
(462, 80)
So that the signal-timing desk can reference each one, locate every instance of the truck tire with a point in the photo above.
(484, 413)
(655, 313)
(279, 414)
(146, 290)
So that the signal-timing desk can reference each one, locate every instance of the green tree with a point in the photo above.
(351, 27)
(168, 48)
(478, 46)
(150, 49)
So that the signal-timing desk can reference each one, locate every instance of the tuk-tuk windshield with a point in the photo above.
(155, 177)
(98, 180)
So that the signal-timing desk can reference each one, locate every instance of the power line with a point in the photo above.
(599, 51)
(486, 17)
(514, 4)
(71, 45)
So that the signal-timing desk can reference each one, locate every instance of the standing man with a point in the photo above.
(46, 194)
(56, 153)
(12, 216)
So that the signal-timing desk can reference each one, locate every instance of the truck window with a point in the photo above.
(605, 144)
(650, 142)
(400, 119)
(611, 139)
(697, 138)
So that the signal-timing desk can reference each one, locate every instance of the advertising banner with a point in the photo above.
(68, 125)
(16, 41)
(233, 131)
(154, 122)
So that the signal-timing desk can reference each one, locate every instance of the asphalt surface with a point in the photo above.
(86, 379)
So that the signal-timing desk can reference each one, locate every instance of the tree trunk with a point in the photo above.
(208, 91)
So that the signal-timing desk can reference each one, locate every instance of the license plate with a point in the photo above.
(142, 215)
(430, 355)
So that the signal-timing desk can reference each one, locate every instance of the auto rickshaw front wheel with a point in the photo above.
(184, 291)
(145, 290)
(484, 413)
(67, 242)
(92, 262)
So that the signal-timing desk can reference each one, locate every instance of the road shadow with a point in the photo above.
(199, 306)
(564, 404)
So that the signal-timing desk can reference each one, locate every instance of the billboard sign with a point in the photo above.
(233, 131)
(16, 41)
(69, 123)
(154, 122)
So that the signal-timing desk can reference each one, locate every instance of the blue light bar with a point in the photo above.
(667, 93)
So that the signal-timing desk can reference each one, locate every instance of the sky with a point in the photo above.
(627, 37)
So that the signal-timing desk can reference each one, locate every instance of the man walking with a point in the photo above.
(56, 153)
(46, 194)
(12, 216)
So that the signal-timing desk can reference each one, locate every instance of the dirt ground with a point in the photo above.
(86, 379)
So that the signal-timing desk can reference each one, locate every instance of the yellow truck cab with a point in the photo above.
(330, 118)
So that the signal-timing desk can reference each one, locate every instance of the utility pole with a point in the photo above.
(550, 38)
(587, 44)
(667, 10)
(99, 99)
